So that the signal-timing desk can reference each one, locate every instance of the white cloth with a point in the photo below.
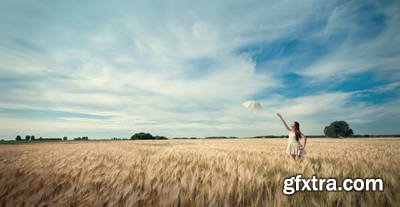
(294, 147)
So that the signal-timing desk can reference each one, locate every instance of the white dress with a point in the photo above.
(294, 147)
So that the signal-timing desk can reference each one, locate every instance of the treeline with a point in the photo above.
(146, 136)
(33, 138)
(372, 135)
(213, 137)
(220, 137)
(136, 136)
(81, 138)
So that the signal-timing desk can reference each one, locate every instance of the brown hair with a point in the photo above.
(297, 131)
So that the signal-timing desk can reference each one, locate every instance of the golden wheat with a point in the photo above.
(237, 172)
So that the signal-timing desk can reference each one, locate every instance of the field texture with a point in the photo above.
(240, 172)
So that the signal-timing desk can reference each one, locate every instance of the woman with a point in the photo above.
(294, 148)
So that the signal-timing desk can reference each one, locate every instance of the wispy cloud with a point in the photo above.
(372, 33)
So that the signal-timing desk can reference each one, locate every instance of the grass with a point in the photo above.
(234, 172)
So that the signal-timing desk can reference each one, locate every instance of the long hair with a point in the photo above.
(297, 131)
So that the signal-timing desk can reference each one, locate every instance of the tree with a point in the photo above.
(81, 138)
(33, 137)
(27, 137)
(18, 138)
(142, 135)
(338, 129)
(351, 132)
(160, 137)
(65, 138)
(329, 131)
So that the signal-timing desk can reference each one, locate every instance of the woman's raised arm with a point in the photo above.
(283, 121)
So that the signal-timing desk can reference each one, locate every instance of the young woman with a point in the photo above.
(294, 148)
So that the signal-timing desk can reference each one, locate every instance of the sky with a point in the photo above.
(108, 69)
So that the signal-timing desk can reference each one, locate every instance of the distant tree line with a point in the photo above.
(32, 138)
(220, 137)
(146, 136)
(185, 138)
(272, 136)
(81, 138)
(116, 138)
(375, 135)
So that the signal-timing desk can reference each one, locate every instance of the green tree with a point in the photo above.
(142, 135)
(338, 129)
(18, 138)
(160, 137)
(33, 137)
(27, 137)
(65, 138)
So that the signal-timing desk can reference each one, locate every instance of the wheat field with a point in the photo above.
(234, 172)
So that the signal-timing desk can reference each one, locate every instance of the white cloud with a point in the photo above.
(379, 54)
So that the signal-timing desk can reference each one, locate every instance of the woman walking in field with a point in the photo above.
(294, 148)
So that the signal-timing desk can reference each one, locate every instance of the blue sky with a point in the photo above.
(179, 68)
